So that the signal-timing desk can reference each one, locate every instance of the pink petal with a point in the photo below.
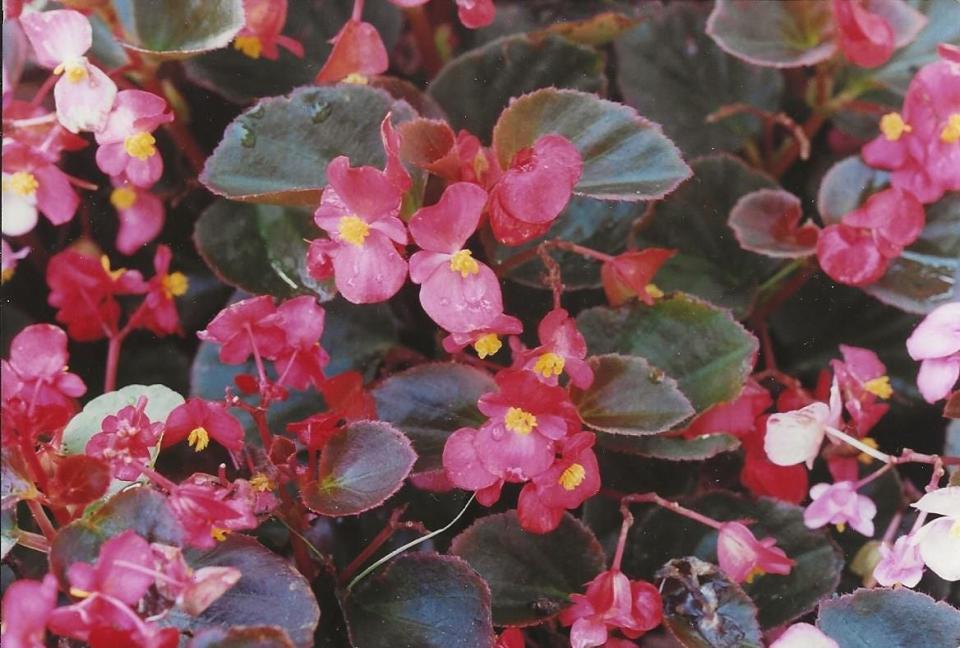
(55, 196)
(462, 463)
(475, 14)
(57, 36)
(357, 49)
(112, 159)
(144, 173)
(804, 635)
(19, 214)
(370, 273)
(84, 105)
(849, 255)
(446, 225)
(365, 191)
(864, 37)
(540, 180)
(938, 548)
(134, 111)
(938, 335)
(937, 378)
(461, 304)
(141, 223)
(795, 437)
(423, 264)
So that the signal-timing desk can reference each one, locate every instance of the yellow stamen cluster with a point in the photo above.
(756, 571)
(841, 526)
(520, 421)
(549, 365)
(951, 132)
(464, 263)
(356, 78)
(105, 264)
(879, 387)
(175, 284)
(863, 457)
(353, 230)
(76, 592)
(572, 477)
(487, 345)
(141, 146)
(653, 291)
(249, 45)
(261, 483)
(198, 439)
(893, 127)
(955, 529)
(22, 183)
(123, 198)
(219, 534)
(74, 71)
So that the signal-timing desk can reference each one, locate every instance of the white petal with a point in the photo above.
(19, 214)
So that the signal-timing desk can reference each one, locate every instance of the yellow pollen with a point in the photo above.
(955, 529)
(572, 477)
(353, 230)
(261, 483)
(841, 526)
(756, 571)
(6, 275)
(175, 284)
(75, 70)
(198, 439)
(653, 291)
(219, 534)
(893, 127)
(464, 263)
(22, 183)
(549, 364)
(951, 132)
(140, 145)
(105, 264)
(123, 198)
(863, 457)
(356, 78)
(879, 387)
(480, 164)
(487, 345)
(76, 592)
(520, 421)
(249, 45)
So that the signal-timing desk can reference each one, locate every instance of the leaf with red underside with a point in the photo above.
(767, 222)
(79, 480)
(360, 468)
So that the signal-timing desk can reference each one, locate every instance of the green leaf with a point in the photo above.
(476, 86)
(673, 73)
(886, 618)
(531, 576)
(671, 448)
(780, 599)
(429, 402)
(9, 531)
(179, 28)
(361, 466)
(427, 601)
(260, 248)
(760, 221)
(625, 156)
(270, 592)
(242, 637)
(700, 346)
(943, 26)
(702, 608)
(845, 186)
(629, 397)
(693, 220)
(15, 485)
(278, 150)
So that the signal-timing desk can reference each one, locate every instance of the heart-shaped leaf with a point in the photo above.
(531, 576)
(845, 186)
(278, 150)
(889, 618)
(179, 28)
(767, 222)
(672, 72)
(700, 346)
(625, 156)
(360, 467)
(671, 448)
(429, 402)
(475, 87)
(428, 601)
(260, 248)
(629, 397)
(942, 26)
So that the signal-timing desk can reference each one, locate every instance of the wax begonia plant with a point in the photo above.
(476, 324)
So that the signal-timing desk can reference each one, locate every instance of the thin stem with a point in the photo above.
(860, 445)
(424, 35)
(159, 479)
(374, 545)
(40, 517)
(44, 90)
(33, 541)
(113, 363)
(357, 10)
(260, 418)
(653, 498)
(622, 539)
(874, 475)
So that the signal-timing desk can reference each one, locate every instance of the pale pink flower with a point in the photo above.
(939, 540)
(936, 343)
(840, 504)
(900, 564)
(141, 216)
(795, 437)
(742, 556)
(127, 147)
(804, 635)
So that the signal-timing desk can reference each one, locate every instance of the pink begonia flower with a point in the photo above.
(936, 344)
(510, 638)
(261, 31)
(159, 313)
(208, 511)
(840, 504)
(862, 379)
(738, 417)
(939, 540)
(27, 605)
(486, 339)
(127, 146)
(533, 191)
(301, 362)
(198, 421)
(612, 602)
(475, 14)
(247, 325)
(38, 356)
(84, 94)
(394, 169)
(126, 441)
(804, 635)
(899, 565)
(123, 570)
(849, 255)
(193, 591)
(141, 216)
(9, 259)
(358, 51)
(865, 38)
(569, 482)
(32, 185)
(103, 621)
(742, 557)
(359, 211)
(562, 348)
(795, 437)
(458, 292)
(630, 275)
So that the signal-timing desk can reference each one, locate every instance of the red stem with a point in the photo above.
(378, 541)
(653, 498)
(424, 35)
(40, 516)
(44, 90)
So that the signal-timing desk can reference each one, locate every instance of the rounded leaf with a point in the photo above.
(179, 28)
(671, 448)
(767, 222)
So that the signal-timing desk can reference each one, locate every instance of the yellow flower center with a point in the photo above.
(951, 132)
(74, 71)
(140, 145)
(863, 457)
(22, 183)
(261, 483)
(549, 364)
(353, 230)
(105, 264)
(572, 477)
(893, 127)
(841, 526)
(653, 291)
(175, 284)
(76, 592)
(487, 345)
(756, 571)
(198, 439)
(219, 534)
(464, 263)
(879, 387)
(480, 164)
(6, 275)
(356, 78)
(123, 198)
(955, 529)
(520, 421)
(249, 45)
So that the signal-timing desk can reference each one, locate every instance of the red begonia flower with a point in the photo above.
(630, 274)
(141, 216)
(244, 326)
(357, 49)
(865, 38)
(486, 339)
(573, 479)
(126, 440)
(261, 33)
(742, 557)
(198, 421)
(159, 312)
(301, 362)
(27, 605)
(562, 348)
(612, 602)
(208, 511)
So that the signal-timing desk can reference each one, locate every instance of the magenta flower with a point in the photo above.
(126, 441)
(127, 146)
(840, 504)
(244, 327)
(208, 511)
(38, 356)
(865, 38)
(936, 344)
(804, 635)
(485, 340)
(159, 313)
(358, 50)
(359, 211)
(862, 379)
(27, 605)
(84, 94)
(193, 591)
(198, 421)
(32, 184)
(123, 570)
(742, 557)
(899, 565)
(475, 14)
(612, 602)
(261, 35)
(562, 348)
(533, 191)
(795, 437)
(9, 259)
(302, 359)
(141, 216)
(458, 292)
(630, 274)
(937, 540)
(569, 482)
